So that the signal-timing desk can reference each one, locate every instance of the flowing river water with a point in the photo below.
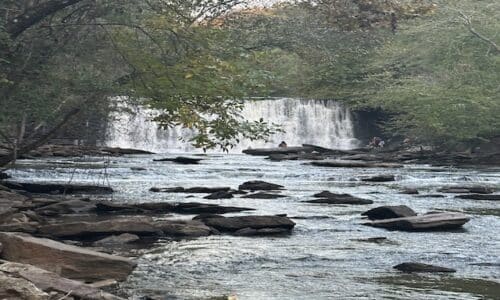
(324, 257)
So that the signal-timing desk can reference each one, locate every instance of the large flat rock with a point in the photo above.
(428, 222)
(66, 260)
(49, 188)
(48, 281)
(232, 224)
(389, 212)
(354, 164)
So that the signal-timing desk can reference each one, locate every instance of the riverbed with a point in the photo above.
(325, 257)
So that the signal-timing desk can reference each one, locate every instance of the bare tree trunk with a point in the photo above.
(5, 160)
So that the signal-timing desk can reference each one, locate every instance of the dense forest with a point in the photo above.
(432, 66)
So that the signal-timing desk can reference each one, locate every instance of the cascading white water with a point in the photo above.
(318, 122)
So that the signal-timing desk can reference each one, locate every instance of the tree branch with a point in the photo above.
(468, 23)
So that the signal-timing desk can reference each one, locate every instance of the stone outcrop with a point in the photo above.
(327, 197)
(490, 197)
(263, 195)
(410, 267)
(428, 222)
(354, 164)
(192, 190)
(52, 188)
(258, 185)
(467, 189)
(66, 260)
(233, 224)
(389, 212)
(380, 178)
(181, 160)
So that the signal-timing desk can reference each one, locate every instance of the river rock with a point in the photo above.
(201, 208)
(66, 260)
(220, 195)
(327, 197)
(181, 160)
(232, 224)
(463, 190)
(141, 225)
(410, 267)
(380, 178)
(12, 287)
(427, 222)
(183, 228)
(261, 232)
(262, 195)
(50, 188)
(279, 150)
(4, 175)
(410, 191)
(72, 206)
(49, 282)
(124, 238)
(192, 190)
(354, 164)
(258, 185)
(389, 212)
(490, 197)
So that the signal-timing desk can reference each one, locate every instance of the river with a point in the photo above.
(323, 258)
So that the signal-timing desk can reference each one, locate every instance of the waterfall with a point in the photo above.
(319, 122)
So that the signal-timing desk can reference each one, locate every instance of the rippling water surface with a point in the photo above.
(323, 258)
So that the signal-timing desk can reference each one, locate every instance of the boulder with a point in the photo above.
(141, 225)
(183, 228)
(389, 212)
(181, 160)
(279, 150)
(201, 208)
(490, 197)
(353, 164)
(261, 232)
(258, 185)
(50, 188)
(327, 197)
(48, 282)
(124, 238)
(463, 190)
(72, 206)
(410, 267)
(380, 178)
(12, 287)
(428, 222)
(193, 190)
(220, 195)
(66, 260)
(263, 195)
(232, 224)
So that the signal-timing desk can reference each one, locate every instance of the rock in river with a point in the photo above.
(353, 164)
(258, 185)
(50, 188)
(262, 195)
(220, 195)
(490, 197)
(428, 222)
(410, 267)
(192, 190)
(66, 260)
(389, 212)
(380, 178)
(233, 224)
(332, 198)
(181, 160)
(467, 189)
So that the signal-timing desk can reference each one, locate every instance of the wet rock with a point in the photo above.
(201, 208)
(51, 188)
(183, 228)
(262, 195)
(353, 164)
(389, 212)
(12, 287)
(490, 197)
(429, 222)
(4, 175)
(431, 196)
(181, 160)
(220, 195)
(207, 216)
(279, 150)
(232, 224)
(66, 260)
(376, 240)
(193, 190)
(138, 169)
(258, 185)
(48, 282)
(410, 267)
(380, 178)
(105, 207)
(410, 191)
(327, 197)
(27, 227)
(463, 190)
(72, 206)
(141, 225)
(124, 238)
(261, 232)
